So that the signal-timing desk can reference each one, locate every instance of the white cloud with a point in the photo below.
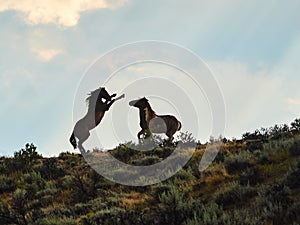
(46, 54)
(292, 101)
(65, 13)
(293, 106)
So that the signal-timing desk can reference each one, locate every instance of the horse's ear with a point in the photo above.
(145, 99)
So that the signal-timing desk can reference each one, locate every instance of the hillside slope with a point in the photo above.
(254, 180)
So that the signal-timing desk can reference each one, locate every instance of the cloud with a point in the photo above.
(65, 13)
(292, 101)
(293, 106)
(47, 54)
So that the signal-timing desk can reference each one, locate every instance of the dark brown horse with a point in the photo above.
(152, 123)
(99, 101)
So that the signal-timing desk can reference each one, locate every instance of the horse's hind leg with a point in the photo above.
(170, 133)
(81, 140)
(171, 138)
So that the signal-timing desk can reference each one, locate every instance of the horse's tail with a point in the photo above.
(73, 140)
(179, 125)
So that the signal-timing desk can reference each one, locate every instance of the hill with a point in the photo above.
(254, 180)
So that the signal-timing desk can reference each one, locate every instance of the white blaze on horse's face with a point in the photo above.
(105, 96)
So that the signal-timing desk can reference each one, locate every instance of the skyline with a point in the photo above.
(252, 49)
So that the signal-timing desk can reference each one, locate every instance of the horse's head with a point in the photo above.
(95, 97)
(104, 94)
(139, 103)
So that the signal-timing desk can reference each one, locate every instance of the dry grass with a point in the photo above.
(133, 199)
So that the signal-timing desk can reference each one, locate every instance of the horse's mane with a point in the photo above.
(91, 100)
(149, 107)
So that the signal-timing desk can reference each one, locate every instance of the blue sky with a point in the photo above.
(46, 46)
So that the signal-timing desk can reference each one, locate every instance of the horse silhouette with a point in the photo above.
(99, 101)
(150, 122)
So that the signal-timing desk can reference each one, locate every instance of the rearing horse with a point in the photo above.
(96, 110)
(152, 123)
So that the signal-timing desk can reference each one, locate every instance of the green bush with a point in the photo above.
(293, 213)
(6, 217)
(52, 220)
(160, 189)
(124, 153)
(187, 139)
(236, 163)
(295, 148)
(207, 215)
(250, 176)
(20, 206)
(245, 217)
(147, 160)
(162, 152)
(50, 169)
(292, 178)
(174, 207)
(253, 145)
(7, 184)
(273, 202)
(115, 215)
(26, 158)
(233, 193)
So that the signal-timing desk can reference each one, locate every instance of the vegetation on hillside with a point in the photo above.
(254, 180)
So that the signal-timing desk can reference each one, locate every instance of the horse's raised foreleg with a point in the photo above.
(146, 133)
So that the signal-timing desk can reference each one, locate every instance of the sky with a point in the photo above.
(46, 46)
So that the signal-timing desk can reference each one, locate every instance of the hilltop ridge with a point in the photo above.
(254, 180)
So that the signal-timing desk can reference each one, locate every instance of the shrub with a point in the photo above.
(236, 163)
(250, 176)
(160, 189)
(187, 139)
(245, 217)
(27, 157)
(253, 145)
(273, 202)
(207, 215)
(19, 205)
(183, 176)
(82, 209)
(163, 152)
(233, 193)
(147, 160)
(7, 184)
(115, 215)
(50, 169)
(123, 153)
(6, 217)
(293, 213)
(295, 148)
(292, 178)
(52, 220)
(174, 207)
(33, 183)
(296, 124)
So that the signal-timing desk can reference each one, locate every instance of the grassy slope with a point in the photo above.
(251, 181)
